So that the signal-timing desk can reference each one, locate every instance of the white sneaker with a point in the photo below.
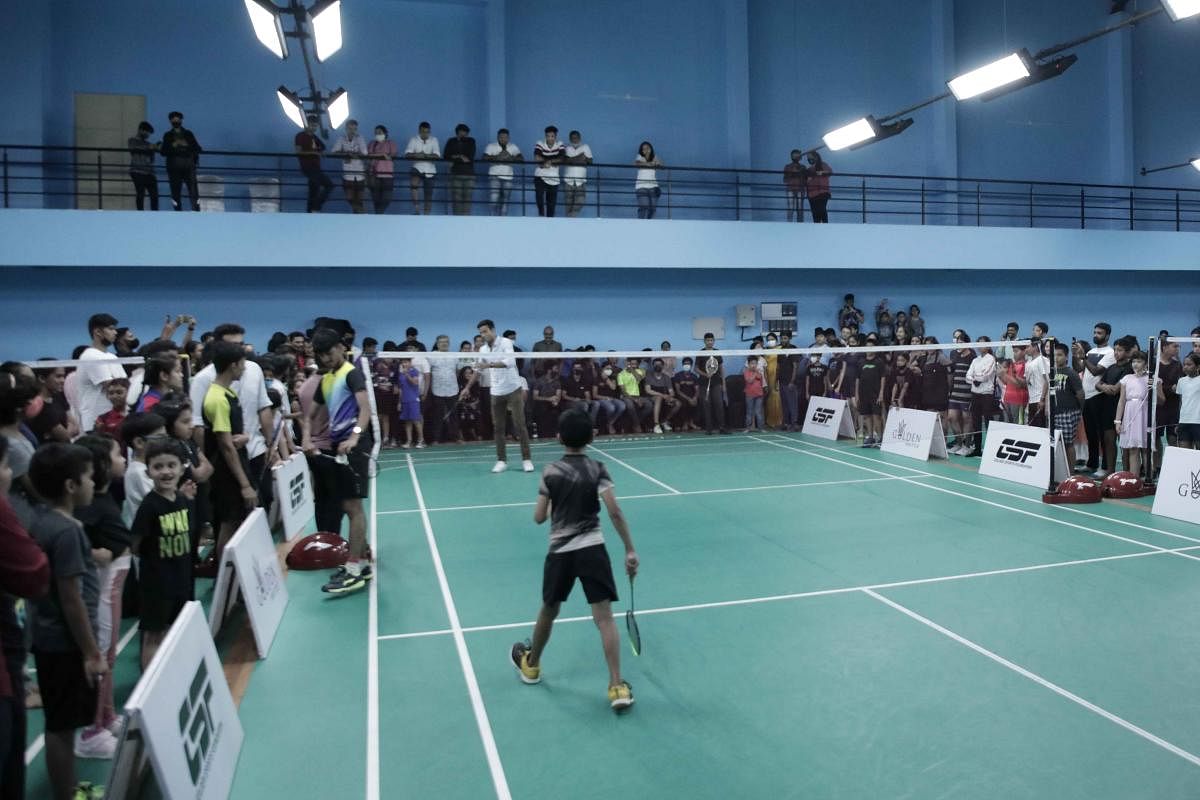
(527, 465)
(658, 428)
(500, 467)
(667, 426)
(117, 726)
(1100, 474)
(101, 744)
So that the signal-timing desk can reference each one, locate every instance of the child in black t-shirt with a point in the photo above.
(162, 532)
(571, 490)
(816, 378)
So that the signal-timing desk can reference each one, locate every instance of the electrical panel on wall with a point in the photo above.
(745, 316)
(778, 317)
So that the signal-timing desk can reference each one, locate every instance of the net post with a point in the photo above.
(1152, 414)
(365, 365)
(1050, 392)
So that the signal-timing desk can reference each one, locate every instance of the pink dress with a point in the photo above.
(1134, 421)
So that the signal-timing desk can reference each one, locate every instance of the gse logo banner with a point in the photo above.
(297, 490)
(914, 433)
(293, 487)
(1018, 452)
(196, 723)
(828, 418)
(1178, 494)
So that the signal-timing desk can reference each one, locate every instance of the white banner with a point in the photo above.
(294, 492)
(828, 419)
(251, 564)
(914, 433)
(1017, 453)
(1178, 492)
(186, 715)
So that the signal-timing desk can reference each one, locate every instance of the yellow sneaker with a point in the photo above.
(520, 661)
(620, 697)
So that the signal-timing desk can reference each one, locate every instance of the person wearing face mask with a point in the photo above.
(141, 166)
(182, 152)
(308, 153)
(817, 186)
(687, 389)
(608, 395)
(794, 176)
(381, 176)
(660, 389)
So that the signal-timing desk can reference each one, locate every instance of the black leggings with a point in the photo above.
(818, 204)
(712, 403)
(983, 408)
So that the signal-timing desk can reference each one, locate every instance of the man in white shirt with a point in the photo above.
(982, 377)
(352, 149)
(101, 367)
(501, 153)
(1037, 378)
(578, 156)
(443, 416)
(508, 396)
(1092, 364)
(423, 151)
(548, 154)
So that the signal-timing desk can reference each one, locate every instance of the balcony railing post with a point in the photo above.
(737, 196)
(1131, 209)
(978, 209)
(1177, 219)
(1031, 205)
(598, 190)
(668, 194)
(864, 200)
(1082, 209)
(99, 181)
(922, 202)
(6, 178)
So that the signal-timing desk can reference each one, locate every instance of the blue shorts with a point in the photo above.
(410, 411)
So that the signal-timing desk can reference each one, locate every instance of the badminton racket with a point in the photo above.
(635, 636)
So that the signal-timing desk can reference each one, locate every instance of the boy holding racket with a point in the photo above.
(570, 495)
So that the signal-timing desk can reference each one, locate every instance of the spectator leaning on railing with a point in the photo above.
(182, 152)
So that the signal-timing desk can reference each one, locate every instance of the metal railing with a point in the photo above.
(78, 177)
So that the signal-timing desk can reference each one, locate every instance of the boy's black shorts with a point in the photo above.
(347, 481)
(67, 699)
(590, 565)
(159, 609)
(225, 494)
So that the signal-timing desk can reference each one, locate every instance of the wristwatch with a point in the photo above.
(356, 430)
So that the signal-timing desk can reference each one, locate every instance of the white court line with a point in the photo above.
(992, 489)
(36, 746)
(373, 659)
(660, 494)
(481, 718)
(1038, 679)
(447, 456)
(916, 482)
(816, 593)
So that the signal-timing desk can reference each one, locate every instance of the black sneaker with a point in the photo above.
(519, 655)
(343, 582)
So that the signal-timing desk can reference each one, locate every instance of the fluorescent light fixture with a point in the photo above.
(267, 26)
(1196, 163)
(326, 17)
(856, 132)
(1007, 70)
(291, 106)
(1181, 9)
(339, 108)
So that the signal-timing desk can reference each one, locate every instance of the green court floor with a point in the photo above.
(818, 621)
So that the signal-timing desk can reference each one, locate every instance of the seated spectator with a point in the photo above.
(577, 393)
(659, 388)
(637, 405)
(608, 395)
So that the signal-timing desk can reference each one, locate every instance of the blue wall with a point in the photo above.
(717, 83)
(607, 308)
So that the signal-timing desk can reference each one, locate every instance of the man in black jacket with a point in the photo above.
(182, 152)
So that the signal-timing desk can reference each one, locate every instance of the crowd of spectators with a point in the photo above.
(107, 460)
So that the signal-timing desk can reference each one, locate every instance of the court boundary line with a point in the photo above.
(372, 788)
(35, 747)
(1038, 679)
(730, 490)
(915, 481)
(635, 470)
(814, 593)
(995, 490)
(488, 737)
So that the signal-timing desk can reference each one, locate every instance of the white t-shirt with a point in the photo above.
(501, 169)
(1037, 372)
(1105, 357)
(548, 172)
(983, 372)
(252, 397)
(445, 378)
(504, 381)
(427, 147)
(353, 169)
(576, 174)
(646, 178)
(93, 376)
(1189, 400)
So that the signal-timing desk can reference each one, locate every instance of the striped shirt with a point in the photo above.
(574, 484)
(960, 387)
(548, 172)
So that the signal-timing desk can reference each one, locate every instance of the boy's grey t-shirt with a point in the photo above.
(574, 484)
(70, 555)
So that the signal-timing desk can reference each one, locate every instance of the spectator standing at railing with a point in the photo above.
(916, 323)
(794, 175)
(460, 152)
(578, 155)
(548, 154)
(309, 148)
(141, 166)
(501, 153)
(646, 182)
(423, 151)
(817, 186)
(182, 152)
(351, 148)
(381, 174)
(849, 315)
